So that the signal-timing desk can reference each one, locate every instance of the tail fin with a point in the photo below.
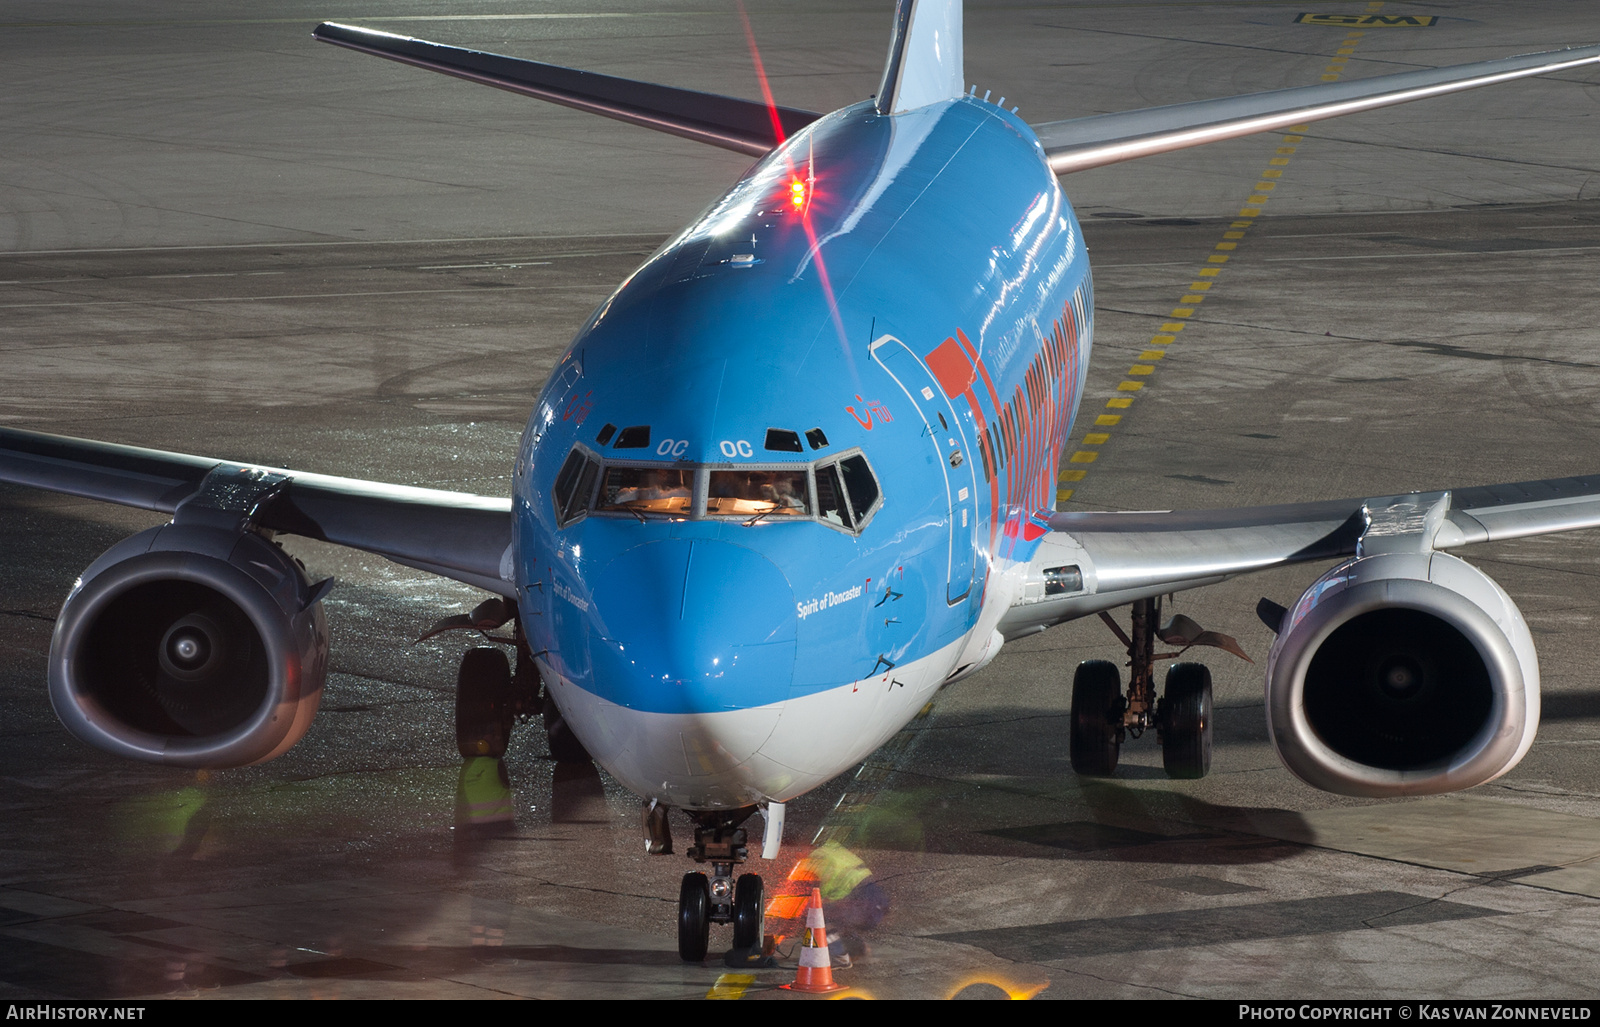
(924, 63)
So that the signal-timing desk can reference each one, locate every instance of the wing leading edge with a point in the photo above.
(744, 126)
(1082, 143)
(1098, 561)
(453, 534)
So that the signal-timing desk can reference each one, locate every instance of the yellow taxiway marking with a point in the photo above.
(731, 986)
(1236, 232)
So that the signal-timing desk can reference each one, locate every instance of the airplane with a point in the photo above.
(796, 475)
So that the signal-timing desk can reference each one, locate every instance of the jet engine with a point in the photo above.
(1402, 674)
(192, 646)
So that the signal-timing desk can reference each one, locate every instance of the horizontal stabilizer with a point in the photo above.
(1082, 143)
(731, 123)
(452, 534)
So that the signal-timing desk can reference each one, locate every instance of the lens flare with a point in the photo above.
(761, 75)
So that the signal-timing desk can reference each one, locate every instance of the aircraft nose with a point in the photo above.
(693, 626)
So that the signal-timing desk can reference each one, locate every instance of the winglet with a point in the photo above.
(925, 63)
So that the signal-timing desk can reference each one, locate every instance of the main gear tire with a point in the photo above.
(1186, 721)
(1096, 718)
(483, 703)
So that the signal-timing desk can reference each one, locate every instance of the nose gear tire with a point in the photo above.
(694, 918)
(749, 911)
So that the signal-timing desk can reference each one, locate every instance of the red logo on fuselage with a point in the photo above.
(871, 408)
(579, 406)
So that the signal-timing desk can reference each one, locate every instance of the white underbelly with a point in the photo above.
(737, 758)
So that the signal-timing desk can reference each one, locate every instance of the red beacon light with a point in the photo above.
(797, 194)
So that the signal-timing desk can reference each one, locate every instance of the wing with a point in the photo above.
(731, 123)
(1098, 561)
(452, 534)
(1082, 143)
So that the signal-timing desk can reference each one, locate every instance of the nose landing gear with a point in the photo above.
(719, 899)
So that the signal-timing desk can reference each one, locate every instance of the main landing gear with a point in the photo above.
(1103, 717)
(490, 696)
(720, 841)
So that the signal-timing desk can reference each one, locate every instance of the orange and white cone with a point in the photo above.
(815, 973)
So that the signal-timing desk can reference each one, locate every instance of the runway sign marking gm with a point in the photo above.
(1369, 21)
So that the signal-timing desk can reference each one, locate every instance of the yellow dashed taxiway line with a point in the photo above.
(1142, 374)
(731, 986)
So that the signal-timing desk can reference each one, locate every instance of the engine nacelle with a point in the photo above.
(190, 646)
(1402, 674)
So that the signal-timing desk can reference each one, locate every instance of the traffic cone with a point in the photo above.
(815, 973)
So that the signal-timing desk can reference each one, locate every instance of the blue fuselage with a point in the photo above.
(891, 314)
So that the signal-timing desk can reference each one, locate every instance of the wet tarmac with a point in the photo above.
(219, 237)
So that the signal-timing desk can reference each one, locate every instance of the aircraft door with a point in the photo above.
(943, 432)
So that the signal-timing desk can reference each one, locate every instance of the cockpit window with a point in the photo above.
(637, 437)
(782, 440)
(573, 487)
(860, 485)
(841, 491)
(647, 490)
(831, 505)
(748, 493)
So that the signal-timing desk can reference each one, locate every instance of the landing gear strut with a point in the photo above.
(720, 841)
(490, 697)
(1103, 717)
